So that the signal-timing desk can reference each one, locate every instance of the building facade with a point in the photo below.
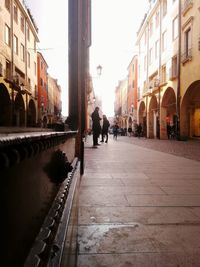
(121, 103)
(156, 91)
(54, 102)
(132, 92)
(57, 102)
(168, 68)
(42, 90)
(18, 65)
(190, 69)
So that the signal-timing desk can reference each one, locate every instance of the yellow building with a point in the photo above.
(190, 69)
(158, 47)
(169, 68)
(18, 65)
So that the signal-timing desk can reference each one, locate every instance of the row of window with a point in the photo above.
(42, 83)
(16, 47)
(157, 21)
(164, 35)
(23, 26)
(152, 55)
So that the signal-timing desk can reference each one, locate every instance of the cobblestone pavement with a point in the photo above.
(188, 149)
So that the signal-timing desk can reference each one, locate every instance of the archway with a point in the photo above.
(5, 107)
(168, 111)
(142, 117)
(19, 111)
(31, 116)
(154, 126)
(190, 111)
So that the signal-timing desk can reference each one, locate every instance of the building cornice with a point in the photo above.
(27, 13)
(146, 20)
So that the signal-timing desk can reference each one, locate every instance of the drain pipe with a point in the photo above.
(178, 97)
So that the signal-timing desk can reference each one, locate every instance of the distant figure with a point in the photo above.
(96, 127)
(168, 131)
(173, 132)
(104, 132)
(129, 131)
(125, 131)
(115, 131)
(139, 130)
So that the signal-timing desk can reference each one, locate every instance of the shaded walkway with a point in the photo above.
(138, 207)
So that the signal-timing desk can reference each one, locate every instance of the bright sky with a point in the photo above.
(52, 21)
(114, 27)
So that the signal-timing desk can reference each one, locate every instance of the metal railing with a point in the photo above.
(48, 248)
(187, 55)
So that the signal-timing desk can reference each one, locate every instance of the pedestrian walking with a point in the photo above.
(139, 130)
(105, 126)
(96, 126)
(129, 131)
(168, 131)
(115, 131)
(125, 131)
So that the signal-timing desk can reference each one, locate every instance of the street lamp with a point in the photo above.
(132, 107)
(99, 70)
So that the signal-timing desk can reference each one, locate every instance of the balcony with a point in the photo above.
(186, 56)
(153, 85)
(186, 6)
(172, 73)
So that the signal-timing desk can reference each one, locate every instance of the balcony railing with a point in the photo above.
(187, 55)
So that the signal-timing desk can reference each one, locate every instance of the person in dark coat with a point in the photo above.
(96, 126)
(139, 130)
(115, 131)
(104, 132)
(168, 131)
(129, 131)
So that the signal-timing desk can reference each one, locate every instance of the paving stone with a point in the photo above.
(114, 239)
(139, 204)
(140, 260)
(141, 215)
(100, 182)
(164, 200)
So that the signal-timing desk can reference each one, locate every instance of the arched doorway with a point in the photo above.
(154, 125)
(31, 116)
(19, 111)
(142, 117)
(168, 111)
(190, 111)
(5, 107)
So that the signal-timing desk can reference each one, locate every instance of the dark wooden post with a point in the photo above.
(79, 43)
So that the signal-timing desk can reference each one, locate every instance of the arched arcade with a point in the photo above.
(190, 111)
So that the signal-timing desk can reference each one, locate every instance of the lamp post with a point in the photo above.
(99, 70)
(96, 78)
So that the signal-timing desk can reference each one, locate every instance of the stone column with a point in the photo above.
(163, 124)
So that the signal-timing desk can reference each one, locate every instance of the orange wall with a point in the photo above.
(42, 89)
(132, 91)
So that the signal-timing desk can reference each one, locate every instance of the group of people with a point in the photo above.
(103, 131)
(171, 131)
(97, 129)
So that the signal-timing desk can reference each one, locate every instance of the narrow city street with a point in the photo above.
(140, 204)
